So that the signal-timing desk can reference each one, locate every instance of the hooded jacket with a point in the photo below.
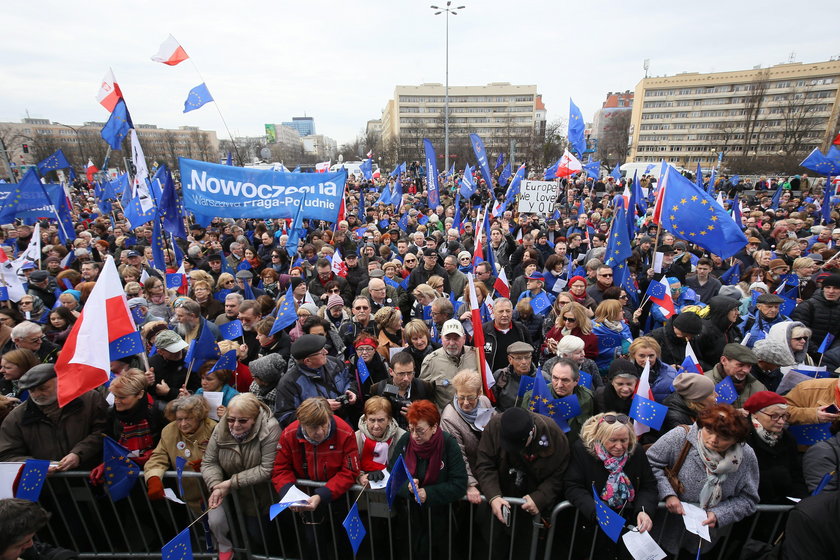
(718, 330)
(781, 333)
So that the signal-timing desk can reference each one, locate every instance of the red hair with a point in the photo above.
(724, 420)
(423, 410)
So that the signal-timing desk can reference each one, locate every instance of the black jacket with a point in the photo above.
(607, 400)
(491, 346)
(673, 348)
(678, 413)
(819, 315)
(780, 469)
(811, 528)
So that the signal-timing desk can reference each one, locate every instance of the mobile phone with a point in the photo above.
(832, 409)
(506, 515)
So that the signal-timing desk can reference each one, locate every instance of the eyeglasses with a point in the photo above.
(361, 307)
(465, 260)
(470, 399)
(623, 297)
(407, 261)
(418, 432)
(275, 256)
(335, 290)
(613, 418)
(605, 275)
(776, 417)
(365, 350)
(569, 319)
(239, 421)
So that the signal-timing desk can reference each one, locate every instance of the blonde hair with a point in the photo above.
(245, 403)
(194, 405)
(416, 327)
(581, 318)
(608, 310)
(132, 382)
(645, 342)
(803, 262)
(595, 431)
(468, 380)
(314, 411)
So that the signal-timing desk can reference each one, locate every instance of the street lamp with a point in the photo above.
(454, 11)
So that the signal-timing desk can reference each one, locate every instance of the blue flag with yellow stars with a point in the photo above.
(227, 361)
(648, 412)
(809, 434)
(540, 303)
(618, 247)
(399, 476)
(611, 523)
(55, 161)
(231, 330)
(127, 345)
(361, 366)
(725, 391)
(178, 548)
(117, 127)
(120, 472)
(286, 313)
(198, 96)
(577, 128)
(32, 479)
(816, 161)
(180, 463)
(694, 215)
(355, 528)
(565, 408)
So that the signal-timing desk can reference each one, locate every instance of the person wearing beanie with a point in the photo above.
(679, 330)
(692, 394)
(821, 313)
(266, 372)
(736, 362)
(617, 394)
(334, 311)
(779, 464)
(772, 356)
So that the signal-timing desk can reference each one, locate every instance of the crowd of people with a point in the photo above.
(381, 363)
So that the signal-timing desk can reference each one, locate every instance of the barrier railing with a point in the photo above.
(86, 520)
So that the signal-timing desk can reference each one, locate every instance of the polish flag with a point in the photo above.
(662, 184)
(643, 388)
(170, 52)
(502, 285)
(342, 211)
(568, 165)
(90, 169)
(370, 154)
(660, 294)
(338, 266)
(109, 92)
(85, 361)
(487, 379)
(322, 167)
(836, 140)
(691, 360)
(376, 174)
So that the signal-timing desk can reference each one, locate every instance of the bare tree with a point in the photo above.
(203, 147)
(800, 126)
(614, 144)
(753, 103)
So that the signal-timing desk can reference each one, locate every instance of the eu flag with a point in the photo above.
(198, 96)
(585, 380)
(178, 548)
(180, 463)
(203, 347)
(577, 126)
(361, 366)
(816, 161)
(120, 472)
(500, 160)
(432, 190)
(226, 361)
(32, 479)
(354, 527)
(174, 280)
(540, 303)
(56, 160)
(648, 412)
(551, 171)
(297, 227)
(169, 210)
(618, 247)
(286, 313)
(692, 214)
(611, 523)
(826, 343)
(367, 169)
(809, 434)
(399, 476)
(655, 290)
(616, 172)
(565, 408)
(158, 259)
(481, 156)
(127, 345)
(232, 329)
(725, 391)
(526, 383)
(117, 127)
(593, 169)
(732, 276)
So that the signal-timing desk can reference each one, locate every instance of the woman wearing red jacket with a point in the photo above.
(322, 447)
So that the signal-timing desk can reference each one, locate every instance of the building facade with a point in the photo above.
(614, 106)
(320, 147)
(785, 110)
(506, 117)
(304, 125)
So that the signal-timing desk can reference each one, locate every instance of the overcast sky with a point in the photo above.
(338, 61)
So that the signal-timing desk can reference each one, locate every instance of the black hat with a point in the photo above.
(36, 376)
(623, 368)
(131, 254)
(833, 281)
(665, 249)
(770, 299)
(689, 323)
(295, 281)
(196, 227)
(307, 345)
(39, 276)
(515, 428)
(214, 257)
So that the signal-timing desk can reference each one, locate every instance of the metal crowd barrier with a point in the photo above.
(85, 519)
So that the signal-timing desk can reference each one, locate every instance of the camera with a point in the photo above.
(392, 393)
(343, 399)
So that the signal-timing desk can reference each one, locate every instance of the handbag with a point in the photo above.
(672, 473)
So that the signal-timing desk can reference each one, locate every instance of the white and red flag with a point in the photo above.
(487, 379)
(85, 361)
(338, 266)
(568, 165)
(171, 52)
(109, 91)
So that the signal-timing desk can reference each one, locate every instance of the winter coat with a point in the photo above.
(717, 330)
(820, 459)
(590, 341)
(804, 399)
(451, 484)
(609, 341)
(28, 432)
(819, 315)
(491, 344)
(758, 327)
(811, 530)
(301, 383)
(739, 490)
(467, 438)
(334, 461)
(168, 450)
(673, 348)
(751, 385)
(781, 334)
(439, 368)
(506, 388)
(779, 467)
(539, 468)
(607, 400)
(586, 469)
(678, 414)
(244, 464)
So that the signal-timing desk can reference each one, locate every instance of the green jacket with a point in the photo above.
(451, 484)
(751, 387)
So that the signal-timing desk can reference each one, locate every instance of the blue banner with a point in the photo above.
(212, 189)
(481, 156)
(431, 174)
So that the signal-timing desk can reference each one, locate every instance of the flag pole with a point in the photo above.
(216, 103)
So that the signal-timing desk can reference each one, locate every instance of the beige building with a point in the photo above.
(33, 140)
(784, 110)
(501, 113)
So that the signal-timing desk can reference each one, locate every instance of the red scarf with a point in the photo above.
(432, 451)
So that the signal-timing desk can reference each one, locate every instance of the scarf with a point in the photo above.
(615, 326)
(769, 438)
(240, 438)
(717, 468)
(618, 490)
(468, 417)
(432, 451)
(136, 430)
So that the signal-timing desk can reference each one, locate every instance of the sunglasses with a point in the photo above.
(570, 319)
(613, 418)
(239, 421)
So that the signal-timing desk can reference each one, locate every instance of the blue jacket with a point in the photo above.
(758, 327)
(300, 383)
(610, 340)
(227, 391)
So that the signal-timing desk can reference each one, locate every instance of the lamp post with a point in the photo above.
(454, 11)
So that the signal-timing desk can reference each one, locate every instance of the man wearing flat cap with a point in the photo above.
(524, 455)
(70, 437)
(520, 363)
(767, 314)
(314, 374)
(737, 362)
(42, 286)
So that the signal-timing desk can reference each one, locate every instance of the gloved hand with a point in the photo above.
(97, 475)
(376, 476)
(154, 488)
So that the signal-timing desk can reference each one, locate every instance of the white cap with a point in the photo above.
(452, 326)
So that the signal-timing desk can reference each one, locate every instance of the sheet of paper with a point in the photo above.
(294, 496)
(397, 350)
(214, 401)
(693, 519)
(559, 284)
(169, 493)
(641, 546)
(482, 417)
(657, 262)
(794, 500)
(790, 380)
(8, 474)
(381, 483)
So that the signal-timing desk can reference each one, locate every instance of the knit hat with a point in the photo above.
(295, 281)
(773, 352)
(693, 386)
(759, 286)
(688, 323)
(833, 281)
(622, 368)
(569, 343)
(576, 279)
(732, 292)
(269, 368)
(311, 307)
(334, 301)
(761, 400)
